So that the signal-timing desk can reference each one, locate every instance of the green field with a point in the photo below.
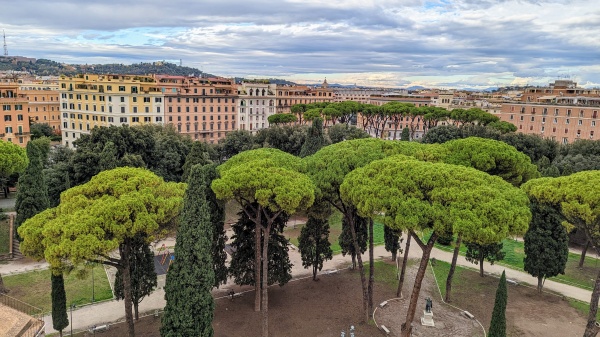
(4, 236)
(515, 253)
(34, 288)
(335, 229)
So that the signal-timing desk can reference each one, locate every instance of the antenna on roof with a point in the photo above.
(5, 46)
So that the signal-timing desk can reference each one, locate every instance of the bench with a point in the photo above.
(385, 329)
(468, 314)
(99, 328)
(331, 271)
(513, 282)
(383, 304)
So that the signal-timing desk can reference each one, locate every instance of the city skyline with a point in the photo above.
(439, 43)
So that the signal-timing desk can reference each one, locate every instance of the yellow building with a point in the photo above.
(14, 124)
(87, 101)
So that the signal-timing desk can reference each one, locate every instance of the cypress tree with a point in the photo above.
(201, 153)
(315, 139)
(392, 241)
(314, 245)
(546, 244)
(217, 218)
(242, 260)
(345, 238)
(498, 323)
(142, 274)
(405, 136)
(32, 197)
(60, 320)
(190, 306)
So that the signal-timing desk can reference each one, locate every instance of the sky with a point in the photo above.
(379, 43)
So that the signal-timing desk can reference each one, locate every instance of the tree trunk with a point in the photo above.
(591, 329)
(257, 264)
(361, 270)
(125, 251)
(414, 297)
(583, 252)
(371, 266)
(265, 283)
(60, 333)
(540, 283)
(353, 261)
(394, 255)
(452, 267)
(3, 289)
(404, 262)
(481, 264)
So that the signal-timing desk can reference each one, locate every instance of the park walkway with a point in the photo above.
(110, 311)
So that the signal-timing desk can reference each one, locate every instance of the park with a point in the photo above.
(389, 237)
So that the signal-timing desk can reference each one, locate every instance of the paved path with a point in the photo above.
(7, 203)
(110, 311)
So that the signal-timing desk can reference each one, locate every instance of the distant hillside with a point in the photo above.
(43, 67)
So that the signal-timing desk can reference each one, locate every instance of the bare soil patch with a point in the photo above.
(330, 305)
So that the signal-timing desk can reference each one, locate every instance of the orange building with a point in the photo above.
(14, 120)
(203, 108)
(562, 112)
(44, 103)
(288, 95)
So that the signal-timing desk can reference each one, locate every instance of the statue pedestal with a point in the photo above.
(427, 319)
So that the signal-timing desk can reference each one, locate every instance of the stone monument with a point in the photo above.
(427, 318)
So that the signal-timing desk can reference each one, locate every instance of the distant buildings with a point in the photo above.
(561, 111)
(15, 122)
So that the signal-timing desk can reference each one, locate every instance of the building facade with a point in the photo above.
(562, 112)
(87, 101)
(14, 120)
(255, 104)
(44, 103)
(202, 108)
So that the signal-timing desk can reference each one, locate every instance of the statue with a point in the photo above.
(428, 304)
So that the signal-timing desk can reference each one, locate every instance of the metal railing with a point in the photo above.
(35, 327)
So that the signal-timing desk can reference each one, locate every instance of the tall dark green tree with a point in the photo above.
(392, 241)
(342, 131)
(201, 153)
(405, 136)
(314, 245)
(217, 218)
(60, 320)
(287, 138)
(546, 244)
(190, 306)
(32, 197)
(242, 260)
(315, 140)
(498, 323)
(477, 253)
(143, 275)
(345, 238)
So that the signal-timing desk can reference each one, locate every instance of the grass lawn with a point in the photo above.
(34, 288)
(515, 252)
(4, 237)
(583, 308)
(335, 229)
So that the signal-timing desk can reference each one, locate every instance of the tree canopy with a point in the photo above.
(13, 159)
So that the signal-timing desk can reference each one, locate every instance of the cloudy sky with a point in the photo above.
(392, 43)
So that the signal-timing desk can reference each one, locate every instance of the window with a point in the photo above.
(135, 119)
(156, 99)
(569, 113)
(6, 107)
(19, 107)
(593, 123)
(580, 122)
(532, 118)
(567, 121)
(555, 112)
(147, 119)
(521, 119)
(122, 99)
(512, 117)
(7, 118)
(146, 99)
(109, 87)
(135, 109)
(158, 119)
(121, 88)
(123, 120)
(110, 119)
(8, 129)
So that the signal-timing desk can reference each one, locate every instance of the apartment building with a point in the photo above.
(14, 125)
(87, 101)
(256, 103)
(561, 111)
(203, 108)
(289, 95)
(44, 103)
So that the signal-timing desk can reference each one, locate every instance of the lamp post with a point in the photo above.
(72, 307)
